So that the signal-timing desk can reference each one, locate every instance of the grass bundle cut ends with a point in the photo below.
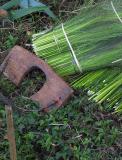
(104, 86)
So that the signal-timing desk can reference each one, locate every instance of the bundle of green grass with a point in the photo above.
(90, 43)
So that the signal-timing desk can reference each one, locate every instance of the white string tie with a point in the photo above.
(72, 50)
(115, 11)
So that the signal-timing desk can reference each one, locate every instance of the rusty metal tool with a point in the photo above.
(54, 93)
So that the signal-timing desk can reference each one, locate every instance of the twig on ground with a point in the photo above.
(10, 132)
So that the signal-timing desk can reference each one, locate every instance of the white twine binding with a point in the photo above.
(114, 9)
(56, 41)
(71, 48)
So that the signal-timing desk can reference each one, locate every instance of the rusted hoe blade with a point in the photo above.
(54, 93)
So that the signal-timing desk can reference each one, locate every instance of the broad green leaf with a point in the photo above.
(27, 7)
(10, 4)
(23, 12)
(34, 3)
